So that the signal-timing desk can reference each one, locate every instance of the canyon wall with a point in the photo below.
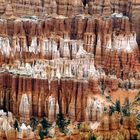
(69, 8)
(61, 63)
(59, 54)
(110, 40)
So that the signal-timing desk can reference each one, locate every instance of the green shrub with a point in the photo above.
(92, 137)
(33, 123)
(16, 125)
(62, 123)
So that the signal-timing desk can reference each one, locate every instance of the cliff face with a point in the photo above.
(110, 40)
(82, 57)
(66, 54)
(110, 127)
(68, 8)
(135, 18)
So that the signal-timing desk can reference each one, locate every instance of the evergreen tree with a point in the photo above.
(41, 134)
(92, 137)
(16, 125)
(102, 84)
(138, 127)
(62, 123)
(125, 109)
(33, 123)
(125, 112)
(118, 106)
(108, 98)
(45, 126)
(135, 137)
(129, 85)
(111, 110)
(121, 120)
(138, 96)
(105, 109)
(138, 117)
(84, 2)
(78, 125)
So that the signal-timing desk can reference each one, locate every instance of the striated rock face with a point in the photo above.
(2, 6)
(116, 49)
(8, 12)
(62, 56)
(42, 98)
(69, 8)
(99, 7)
(76, 27)
(135, 17)
(120, 58)
(110, 126)
(24, 109)
(122, 6)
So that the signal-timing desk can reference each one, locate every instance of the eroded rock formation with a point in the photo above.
(69, 57)
(110, 127)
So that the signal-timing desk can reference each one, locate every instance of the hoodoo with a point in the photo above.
(8, 14)
(69, 69)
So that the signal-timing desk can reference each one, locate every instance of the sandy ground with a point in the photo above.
(123, 94)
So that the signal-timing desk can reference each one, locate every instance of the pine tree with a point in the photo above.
(138, 96)
(135, 137)
(16, 125)
(138, 127)
(41, 134)
(125, 109)
(105, 109)
(62, 123)
(129, 85)
(78, 125)
(118, 106)
(45, 126)
(102, 87)
(125, 112)
(33, 123)
(92, 138)
(111, 110)
(84, 2)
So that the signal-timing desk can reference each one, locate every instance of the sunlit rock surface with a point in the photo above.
(72, 57)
